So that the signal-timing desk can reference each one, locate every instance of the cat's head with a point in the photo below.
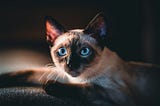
(76, 51)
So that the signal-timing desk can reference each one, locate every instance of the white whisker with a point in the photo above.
(50, 75)
(57, 77)
(43, 76)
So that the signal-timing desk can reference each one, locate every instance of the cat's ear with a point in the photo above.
(53, 29)
(97, 27)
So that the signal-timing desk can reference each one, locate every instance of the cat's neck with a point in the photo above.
(111, 68)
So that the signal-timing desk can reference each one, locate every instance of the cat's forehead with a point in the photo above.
(76, 34)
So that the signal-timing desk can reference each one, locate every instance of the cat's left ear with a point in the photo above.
(97, 28)
(53, 29)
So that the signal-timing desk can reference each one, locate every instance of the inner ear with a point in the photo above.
(97, 27)
(53, 29)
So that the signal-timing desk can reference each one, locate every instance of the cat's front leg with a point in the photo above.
(86, 93)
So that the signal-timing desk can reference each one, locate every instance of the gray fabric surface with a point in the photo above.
(31, 96)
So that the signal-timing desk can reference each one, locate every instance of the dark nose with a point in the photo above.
(73, 63)
(69, 65)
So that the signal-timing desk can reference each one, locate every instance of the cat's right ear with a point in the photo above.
(53, 29)
(97, 28)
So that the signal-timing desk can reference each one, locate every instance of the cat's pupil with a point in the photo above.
(85, 52)
(62, 51)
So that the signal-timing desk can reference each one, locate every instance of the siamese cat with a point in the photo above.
(85, 69)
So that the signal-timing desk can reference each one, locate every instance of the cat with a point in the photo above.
(85, 69)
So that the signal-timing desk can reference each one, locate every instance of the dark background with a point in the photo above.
(133, 25)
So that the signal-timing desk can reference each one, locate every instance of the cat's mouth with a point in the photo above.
(73, 73)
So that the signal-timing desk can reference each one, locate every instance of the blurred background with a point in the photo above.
(133, 25)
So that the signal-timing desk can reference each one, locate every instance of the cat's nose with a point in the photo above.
(72, 62)
(73, 66)
(69, 65)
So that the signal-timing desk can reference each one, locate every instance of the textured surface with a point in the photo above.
(31, 96)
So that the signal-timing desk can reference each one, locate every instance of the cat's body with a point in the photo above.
(86, 70)
(127, 84)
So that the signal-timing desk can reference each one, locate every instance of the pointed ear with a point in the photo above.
(97, 27)
(53, 29)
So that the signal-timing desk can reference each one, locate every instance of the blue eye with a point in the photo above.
(85, 52)
(62, 51)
